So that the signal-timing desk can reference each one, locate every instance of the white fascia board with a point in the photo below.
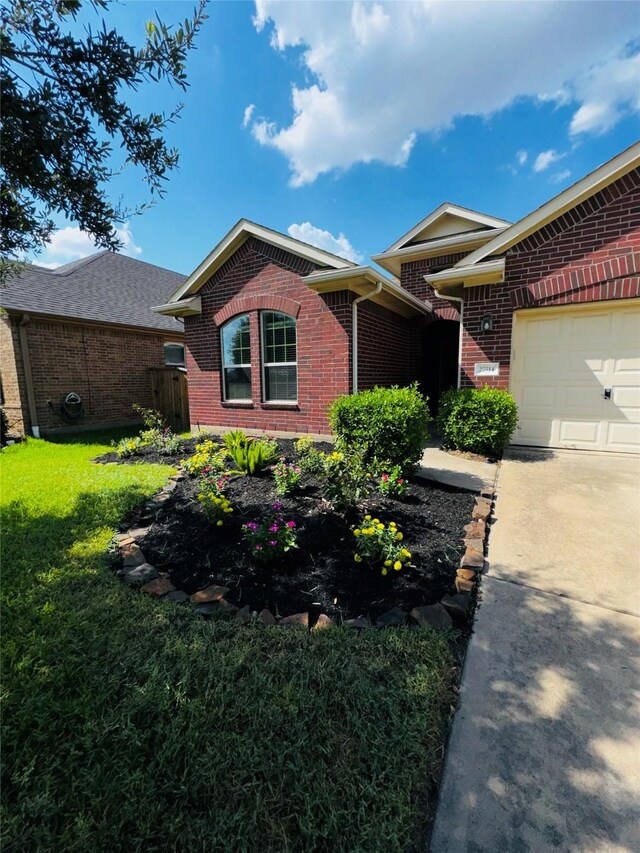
(446, 208)
(431, 249)
(489, 272)
(240, 232)
(181, 308)
(348, 279)
(564, 201)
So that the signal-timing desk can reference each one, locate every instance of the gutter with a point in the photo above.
(28, 375)
(354, 333)
(461, 301)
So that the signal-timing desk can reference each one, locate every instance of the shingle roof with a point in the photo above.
(105, 287)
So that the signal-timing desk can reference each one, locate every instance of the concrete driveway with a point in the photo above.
(545, 749)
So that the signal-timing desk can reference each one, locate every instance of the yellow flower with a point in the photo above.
(387, 562)
(371, 531)
(397, 565)
(381, 527)
(219, 523)
(405, 553)
(376, 521)
(367, 518)
(357, 558)
(357, 532)
(399, 537)
(384, 571)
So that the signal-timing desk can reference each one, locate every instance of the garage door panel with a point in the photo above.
(563, 363)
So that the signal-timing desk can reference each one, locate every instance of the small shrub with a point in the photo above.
(208, 456)
(151, 418)
(167, 443)
(128, 447)
(272, 537)
(385, 423)
(287, 477)
(251, 455)
(211, 497)
(344, 480)
(380, 545)
(477, 420)
(311, 461)
(391, 483)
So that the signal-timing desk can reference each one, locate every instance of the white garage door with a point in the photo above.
(575, 375)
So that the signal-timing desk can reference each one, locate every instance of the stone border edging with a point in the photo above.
(136, 571)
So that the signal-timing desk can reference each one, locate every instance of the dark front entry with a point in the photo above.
(439, 359)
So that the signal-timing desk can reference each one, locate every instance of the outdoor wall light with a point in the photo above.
(486, 324)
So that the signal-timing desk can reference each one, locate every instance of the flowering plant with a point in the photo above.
(272, 537)
(392, 484)
(208, 456)
(287, 477)
(380, 545)
(167, 443)
(311, 460)
(344, 480)
(127, 447)
(215, 505)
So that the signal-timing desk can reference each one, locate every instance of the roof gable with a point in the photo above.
(447, 220)
(239, 234)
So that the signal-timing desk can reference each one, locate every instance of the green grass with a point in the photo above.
(133, 725)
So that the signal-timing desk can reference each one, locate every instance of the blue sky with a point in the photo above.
(346, 123)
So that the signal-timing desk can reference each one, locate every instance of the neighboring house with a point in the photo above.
(548, 307)
(85, 329)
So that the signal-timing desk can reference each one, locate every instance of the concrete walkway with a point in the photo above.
(453, 470)
(544, 753)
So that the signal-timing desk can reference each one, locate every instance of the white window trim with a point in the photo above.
(225, 367)
(264, 363)
(183, 363)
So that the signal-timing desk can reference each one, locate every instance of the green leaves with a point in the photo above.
(478, 420)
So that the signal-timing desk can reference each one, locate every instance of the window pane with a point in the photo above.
(281, 383)
(279, 338)
(236, 348)
(174, 354)
(237, 383)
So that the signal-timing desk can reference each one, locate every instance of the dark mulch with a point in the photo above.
(321, 575)
(151, 456)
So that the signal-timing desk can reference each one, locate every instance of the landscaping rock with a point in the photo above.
(323, 621)
(360, 622)
(210, 593)
(482, 509)
(297, 620)
(225, 606)
(475, 544)
(467, 574)
(464, 585)
(489, 494)
(177, 478)
(207, 609)
(475, 530)
(392, 618)
(158, 587)
(132, 555)
(169, 487)
(457, 606)
(141, 574)
(432, 616)
(266, 618)
(178, 596)
(124, 539)
(472, 559)
(139, 532)
(243, 616)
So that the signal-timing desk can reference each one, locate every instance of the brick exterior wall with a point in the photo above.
(107, 366)
(387, 346)
(262, 277)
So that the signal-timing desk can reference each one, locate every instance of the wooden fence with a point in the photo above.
(171, 396)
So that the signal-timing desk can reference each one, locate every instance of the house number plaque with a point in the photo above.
(486, 368)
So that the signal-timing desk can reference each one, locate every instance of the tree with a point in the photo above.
(64, 109)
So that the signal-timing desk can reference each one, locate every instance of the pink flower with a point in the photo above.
(274, 528)
(291, 524)
(258, 547)
(385, 477)
(277, 505)
(273, 543)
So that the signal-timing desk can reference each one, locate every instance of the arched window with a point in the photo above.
(236, 359)
(279, 358)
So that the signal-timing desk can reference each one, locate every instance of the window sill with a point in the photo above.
(291, 406)
(240, 404)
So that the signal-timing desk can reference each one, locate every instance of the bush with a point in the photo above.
(310, 460)
(478, 420)
(208, 456)
(128, 447)
(272, 537)
(344, 479)
(251, 455)
(212, 499)
(380, 545)
(167, 443)
(287, 477)
(392, 484)
(387, 424)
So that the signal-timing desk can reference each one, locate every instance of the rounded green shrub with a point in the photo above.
(478, 420)
(386, 424)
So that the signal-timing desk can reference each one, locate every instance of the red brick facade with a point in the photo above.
(261, 277)
(107, 366)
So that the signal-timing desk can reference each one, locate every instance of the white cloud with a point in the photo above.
(339, 245)
(546, 159)
(521, 157)
(381, 73)
(71, 243)
(559, 177)
(248, 112)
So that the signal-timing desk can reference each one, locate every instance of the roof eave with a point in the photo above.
(489, 272)
(183, 308)
(443, 209)
(361, 280)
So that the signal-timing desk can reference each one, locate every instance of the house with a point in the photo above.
(548, 306)
(77, 343)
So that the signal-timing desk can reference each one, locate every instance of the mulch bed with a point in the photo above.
(321, 575)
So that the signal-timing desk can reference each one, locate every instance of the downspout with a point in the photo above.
(28, 376)
(460, 333)
(354, 333)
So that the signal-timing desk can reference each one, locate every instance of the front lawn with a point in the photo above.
(131, 724)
